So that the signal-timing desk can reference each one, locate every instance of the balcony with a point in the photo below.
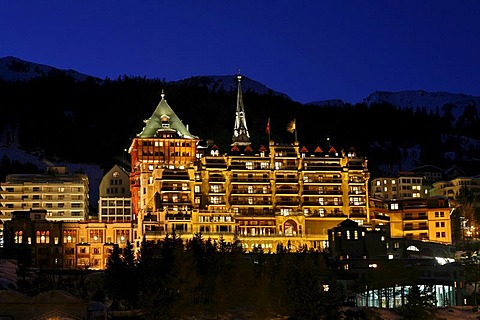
(290, 202)
(357, 214)
(378, 216)
(333, 167)
(178, 217)
(322, 181)
(246, 191)
(253, 180)
(359, 192)
(415, 217)
(250, 212)
(176, 189)
(286, 180)
(415, 227)
(216, 179)
(358, 204)
(251, 203)
(285, 192)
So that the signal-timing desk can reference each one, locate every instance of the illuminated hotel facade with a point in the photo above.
(281, 194)
(265, 196)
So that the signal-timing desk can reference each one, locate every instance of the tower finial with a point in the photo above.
(241, 137)
(163, 94)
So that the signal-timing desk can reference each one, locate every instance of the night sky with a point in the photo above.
(310, 50)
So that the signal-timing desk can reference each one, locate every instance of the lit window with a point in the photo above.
(18, 236)
(69, 236)
(96, 236)
(122, 236)
(42, 236)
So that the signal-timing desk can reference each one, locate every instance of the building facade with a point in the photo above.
(65, 245)
(426, 219)
(115, 202)
(406, 186)
(450, 188)
(64, 196)
(263, 196)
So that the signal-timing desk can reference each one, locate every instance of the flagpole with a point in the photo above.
(268, 129)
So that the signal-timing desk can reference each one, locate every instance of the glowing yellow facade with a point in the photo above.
(281, 194)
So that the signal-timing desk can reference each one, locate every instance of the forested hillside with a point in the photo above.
(94, 121)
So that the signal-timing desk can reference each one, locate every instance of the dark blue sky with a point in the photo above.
(310, 50)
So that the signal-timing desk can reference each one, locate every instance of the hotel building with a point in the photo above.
(282, 193)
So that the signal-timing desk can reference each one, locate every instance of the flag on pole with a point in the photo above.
(291, 127)
(267, 129)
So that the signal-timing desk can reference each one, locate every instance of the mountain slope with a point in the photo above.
(229, 83)
(431, 101)
(13, 69)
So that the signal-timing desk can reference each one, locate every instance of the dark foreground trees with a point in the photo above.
(179, 279)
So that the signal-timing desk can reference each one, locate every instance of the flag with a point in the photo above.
(267, 129)
(291, 126)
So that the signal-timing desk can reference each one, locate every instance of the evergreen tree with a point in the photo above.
(466, 203)
(114, 277)
(419, 303)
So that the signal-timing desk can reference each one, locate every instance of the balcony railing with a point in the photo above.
(259, 191)
(251, 203)
(250, 180)
(286, 180)
(423, 217)
(283, 191)
(183, 217)
(322, 181)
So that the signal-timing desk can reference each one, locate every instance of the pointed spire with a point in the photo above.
(241, 137)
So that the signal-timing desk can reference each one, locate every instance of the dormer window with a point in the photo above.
(165, 121)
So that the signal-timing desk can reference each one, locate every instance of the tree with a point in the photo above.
(466, 202)
(419, 303)
(311, 293)
(130, 276)
(114, 276)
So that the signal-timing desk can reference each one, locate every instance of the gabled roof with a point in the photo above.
(348, 223)
(154, 123)
(318, 150)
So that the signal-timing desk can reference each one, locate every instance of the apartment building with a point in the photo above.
(450, 188)
(115, 203)
(64, 196)
(406, 185)
(426, 219)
